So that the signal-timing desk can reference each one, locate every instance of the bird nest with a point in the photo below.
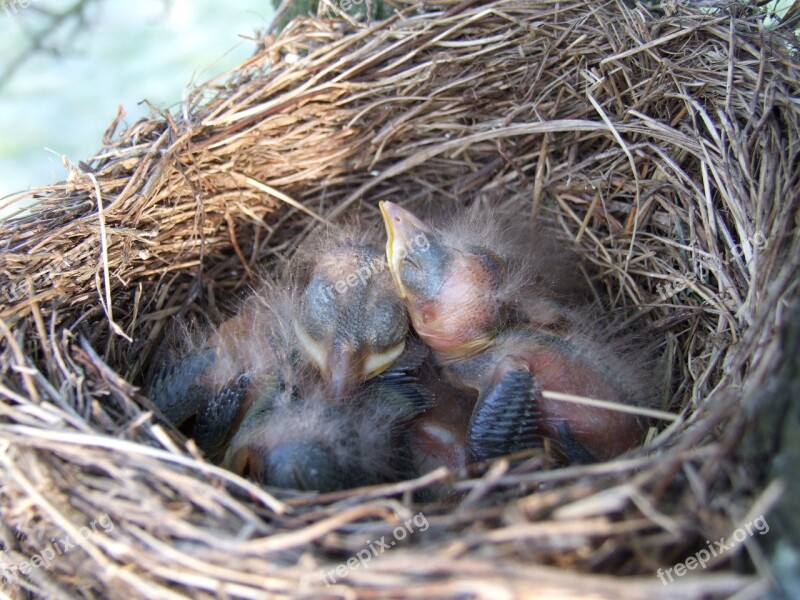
(665, 146)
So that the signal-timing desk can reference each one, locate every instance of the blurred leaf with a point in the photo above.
(375, 10)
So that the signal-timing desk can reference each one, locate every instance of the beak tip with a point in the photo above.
(388, 210)
(401, 225)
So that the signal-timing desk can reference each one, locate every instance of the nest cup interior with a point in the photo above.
(664, 146)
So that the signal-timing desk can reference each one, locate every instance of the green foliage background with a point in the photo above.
(375, 10)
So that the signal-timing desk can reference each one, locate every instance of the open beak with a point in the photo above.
(403, 230)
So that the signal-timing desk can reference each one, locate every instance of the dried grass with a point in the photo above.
(654, 142)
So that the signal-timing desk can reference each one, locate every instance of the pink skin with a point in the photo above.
(603, 433)
(459, 314)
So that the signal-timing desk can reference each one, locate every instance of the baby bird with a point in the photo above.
(209, 383)
(298, 438)
(336, 320)
(349, 320)
(469, 299)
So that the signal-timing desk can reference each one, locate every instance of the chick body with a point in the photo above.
(524, 361)
(472, 303)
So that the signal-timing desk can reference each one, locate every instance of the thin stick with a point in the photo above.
(280, 196)
(625, 408)
(104, 250)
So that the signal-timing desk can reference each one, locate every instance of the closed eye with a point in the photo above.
(412, 262)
